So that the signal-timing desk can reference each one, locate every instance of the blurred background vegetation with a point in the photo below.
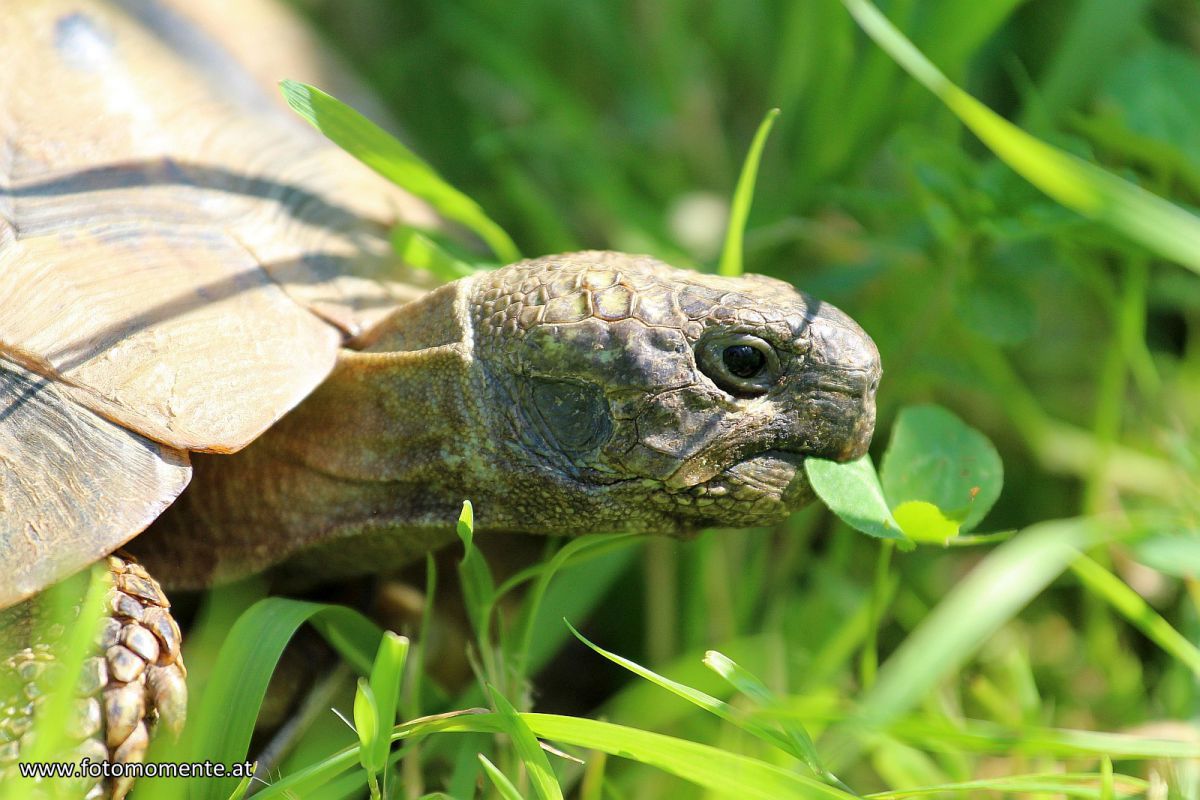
(623, 125)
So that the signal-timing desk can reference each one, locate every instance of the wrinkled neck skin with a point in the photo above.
(371, 470)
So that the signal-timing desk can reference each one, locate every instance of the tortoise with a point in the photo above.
(197, 287)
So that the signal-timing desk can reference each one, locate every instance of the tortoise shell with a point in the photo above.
(180, 258)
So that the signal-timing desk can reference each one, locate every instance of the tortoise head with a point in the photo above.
(579, 393)
(643, 397)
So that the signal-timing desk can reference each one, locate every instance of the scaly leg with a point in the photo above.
(131, 684)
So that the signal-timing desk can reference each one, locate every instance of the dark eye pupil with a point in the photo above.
(743, 360)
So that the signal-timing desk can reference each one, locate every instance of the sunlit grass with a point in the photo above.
(806, 661)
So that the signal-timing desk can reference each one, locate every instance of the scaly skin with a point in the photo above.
(565, 395)
(132, 682)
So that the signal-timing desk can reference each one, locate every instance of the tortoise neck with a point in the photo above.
(368, 472)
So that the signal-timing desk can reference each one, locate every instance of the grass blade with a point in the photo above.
(387, 674)
(78, 607)
(225, 719)
(1129, 603)
(479, 590)
(748, 684)
(708, 767)
(418, 250)
(366, 724)
(1157, 224)
(528, 749)
(714, 769)
(383, 153)
(977, 736)
(743, 195)
(240, 790)
(1069, 785)
(533, 601)
(705, 701)
(503, 785)
(999, 587)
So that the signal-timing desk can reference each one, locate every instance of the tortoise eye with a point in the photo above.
(743, 360)
(738, 363)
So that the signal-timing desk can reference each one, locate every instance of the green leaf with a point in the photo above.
(503, 785)
(852, 491)
(528, 748)
(925, 522)
(387, 673)
(743, 195)
(366, 724)
(936, 458)
(1172, 554)
(1155, 223)
(466, 526)
(477, 585)
(380, 151)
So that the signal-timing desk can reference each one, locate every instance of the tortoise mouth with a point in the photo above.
(778, 473)
(761, 489)
(832, 424)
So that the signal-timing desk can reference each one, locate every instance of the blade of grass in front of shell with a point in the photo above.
(383, 153)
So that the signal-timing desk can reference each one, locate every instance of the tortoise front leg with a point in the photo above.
(132, 685)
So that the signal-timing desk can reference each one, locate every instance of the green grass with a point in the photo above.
(1010, 228)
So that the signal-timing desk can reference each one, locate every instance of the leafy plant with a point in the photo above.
(939, 477)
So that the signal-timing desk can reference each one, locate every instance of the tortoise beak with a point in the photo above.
(843, 376)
